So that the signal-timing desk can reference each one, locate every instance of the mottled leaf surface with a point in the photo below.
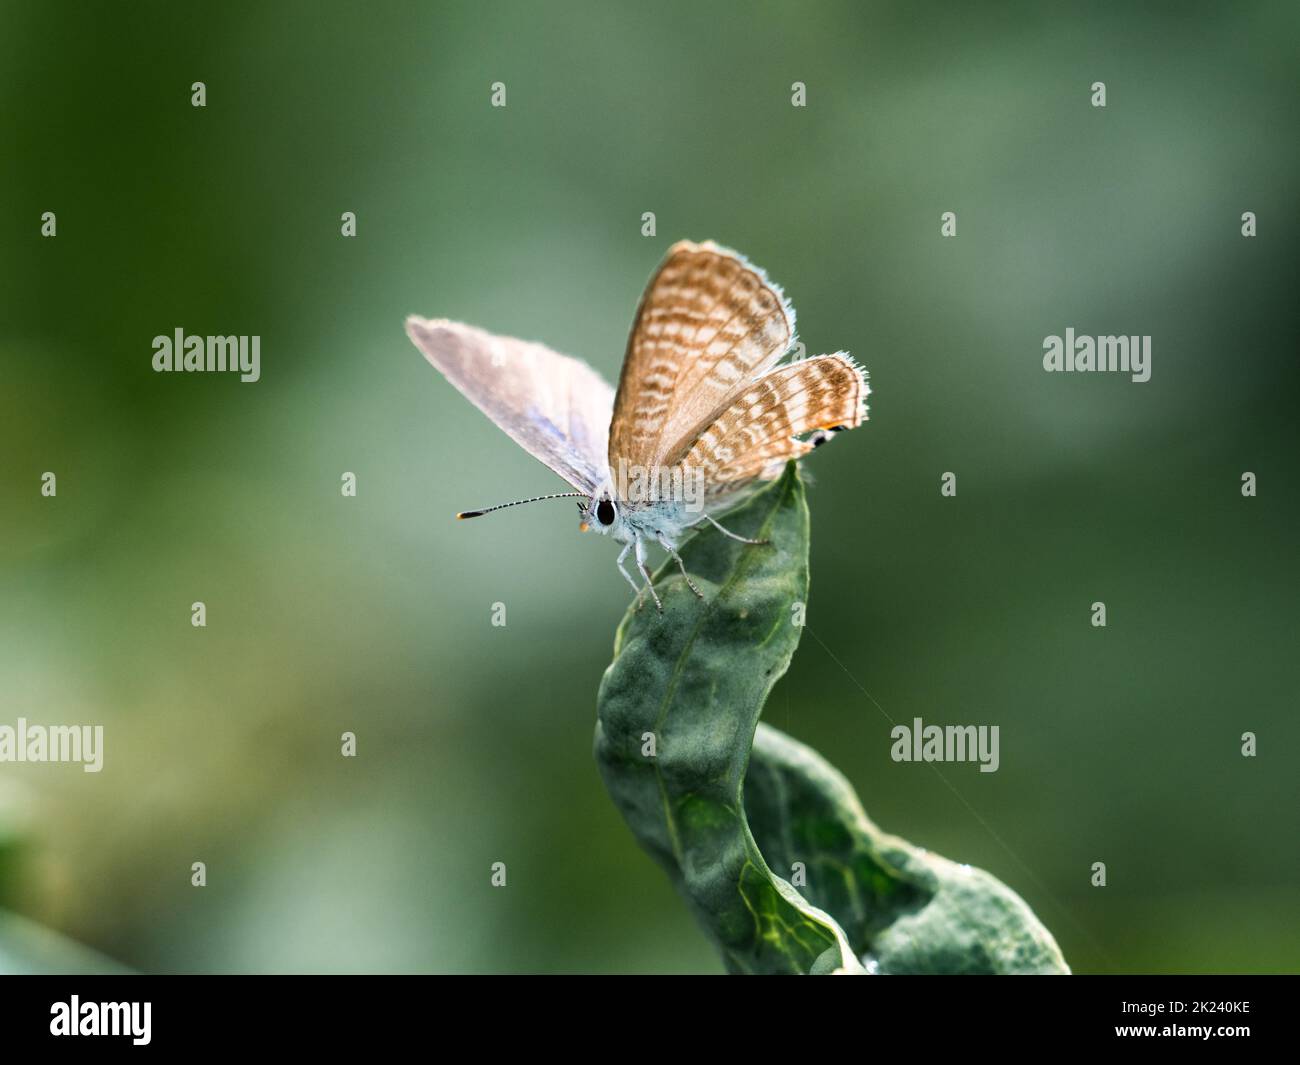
(903, 909)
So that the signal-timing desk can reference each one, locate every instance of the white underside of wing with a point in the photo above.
(557, 408)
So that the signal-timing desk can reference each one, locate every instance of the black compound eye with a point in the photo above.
(605, 512)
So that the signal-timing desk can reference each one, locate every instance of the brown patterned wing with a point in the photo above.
(754, 437)
(708, 324)
(555, 407)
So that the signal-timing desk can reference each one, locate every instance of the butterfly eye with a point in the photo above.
(605, 512)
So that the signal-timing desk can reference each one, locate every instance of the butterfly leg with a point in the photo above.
(742, 539)
(627, 576)
(681, 565)
(640, 564)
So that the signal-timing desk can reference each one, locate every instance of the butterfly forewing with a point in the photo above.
(708, 324)
(555, 407)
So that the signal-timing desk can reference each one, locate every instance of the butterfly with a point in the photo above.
(704, 411)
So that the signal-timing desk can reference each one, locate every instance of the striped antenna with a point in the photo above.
(501, 506)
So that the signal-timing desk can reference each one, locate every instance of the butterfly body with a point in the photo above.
(663, 520)
(702, 414)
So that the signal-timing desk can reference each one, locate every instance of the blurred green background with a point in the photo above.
(372, 614)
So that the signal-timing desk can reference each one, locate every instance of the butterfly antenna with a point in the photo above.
(536, 499)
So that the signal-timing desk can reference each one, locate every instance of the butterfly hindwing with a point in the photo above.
(707, 325)
(555, 407)
(758, 432)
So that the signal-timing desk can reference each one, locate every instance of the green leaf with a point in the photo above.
(903, 909)
(689, 685)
